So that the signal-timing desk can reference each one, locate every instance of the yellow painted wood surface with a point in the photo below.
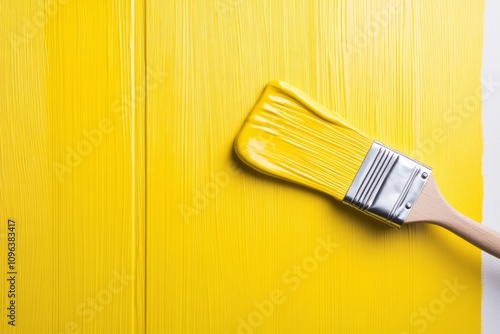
(233, 251)
(153, 94)
(72, 165)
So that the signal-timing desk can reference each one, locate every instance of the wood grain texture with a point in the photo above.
(223, 240)
(228, 250)
(432, 208)
(71, 165)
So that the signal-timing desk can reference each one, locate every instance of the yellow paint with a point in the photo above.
(222, 242)
(290, 136)
(223, 238)
(72, 165)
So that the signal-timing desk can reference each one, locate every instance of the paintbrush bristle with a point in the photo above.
(289, 136)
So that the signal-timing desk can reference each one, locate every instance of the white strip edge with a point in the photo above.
(491, 164)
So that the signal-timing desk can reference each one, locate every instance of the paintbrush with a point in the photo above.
(290, 136)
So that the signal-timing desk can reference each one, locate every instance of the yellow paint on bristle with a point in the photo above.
(290, 136)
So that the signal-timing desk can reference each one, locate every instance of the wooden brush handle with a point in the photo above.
(431, 207)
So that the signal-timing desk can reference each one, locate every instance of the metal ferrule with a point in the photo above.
(387, 185)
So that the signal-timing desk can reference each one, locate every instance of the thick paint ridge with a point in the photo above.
(291, 136)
